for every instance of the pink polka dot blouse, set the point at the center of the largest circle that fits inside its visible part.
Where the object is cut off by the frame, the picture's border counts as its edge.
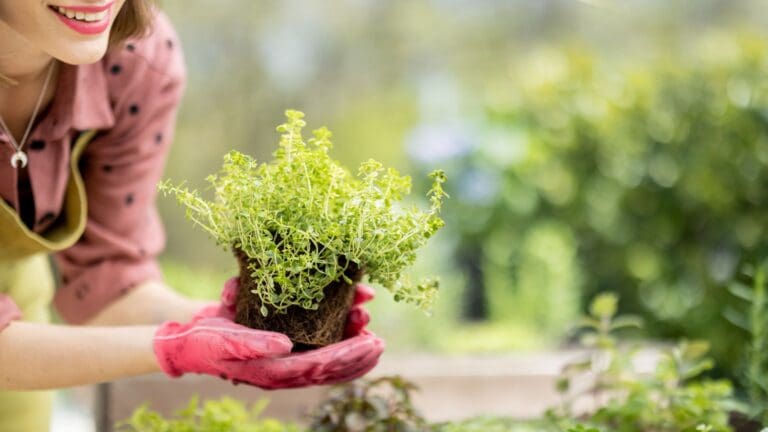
(131, 97)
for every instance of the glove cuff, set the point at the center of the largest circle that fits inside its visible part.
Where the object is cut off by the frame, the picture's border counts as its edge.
(163, 344)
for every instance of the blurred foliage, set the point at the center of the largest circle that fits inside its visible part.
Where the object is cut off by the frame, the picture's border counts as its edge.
(646, 177)
(385, 405)
(225, 415)
(676, 398)
(660, 173)
(750, 288)
(378, 405)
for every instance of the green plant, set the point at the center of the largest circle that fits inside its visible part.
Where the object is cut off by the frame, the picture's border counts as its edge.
(379, 405)
(674, 399)
(671, 400)
(499, 424)
(653, 168)
(582, 428)
(755, 378)
(225, 415)
(609, 361)
(661, 207)
(303, 220)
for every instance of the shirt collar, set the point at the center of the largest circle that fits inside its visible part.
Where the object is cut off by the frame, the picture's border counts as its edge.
(82, 101)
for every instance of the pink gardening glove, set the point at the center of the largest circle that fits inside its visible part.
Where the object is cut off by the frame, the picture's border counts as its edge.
(215, 346)
(351, 358)
(332, 364)
(344, 361)
(358, 316)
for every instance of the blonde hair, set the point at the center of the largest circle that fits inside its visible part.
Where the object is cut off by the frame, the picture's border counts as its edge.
(133, 20)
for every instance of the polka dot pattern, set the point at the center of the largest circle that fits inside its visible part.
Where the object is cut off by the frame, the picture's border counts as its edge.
(121, 168)
(82, 291)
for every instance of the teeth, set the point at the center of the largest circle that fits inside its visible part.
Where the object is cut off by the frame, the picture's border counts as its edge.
(81, 16)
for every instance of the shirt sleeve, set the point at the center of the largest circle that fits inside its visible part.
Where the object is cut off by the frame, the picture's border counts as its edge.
(8, 311)
(121, 168)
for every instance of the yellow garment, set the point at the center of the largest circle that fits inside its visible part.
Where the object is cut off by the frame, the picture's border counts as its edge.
(29, 283)
(26, 276)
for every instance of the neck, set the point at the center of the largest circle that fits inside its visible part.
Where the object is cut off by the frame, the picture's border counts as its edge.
(20, 61)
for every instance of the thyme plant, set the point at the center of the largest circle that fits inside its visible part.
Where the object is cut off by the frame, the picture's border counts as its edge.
(303, 219)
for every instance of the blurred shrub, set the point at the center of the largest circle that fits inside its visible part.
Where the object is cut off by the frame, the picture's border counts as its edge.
(644, 177)
(225, 415)
(379, 405)
(518, 277)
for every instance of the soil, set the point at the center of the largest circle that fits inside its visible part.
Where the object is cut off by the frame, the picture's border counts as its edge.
(308, 329)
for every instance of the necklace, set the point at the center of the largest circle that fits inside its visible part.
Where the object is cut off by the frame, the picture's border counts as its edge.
(19, 157)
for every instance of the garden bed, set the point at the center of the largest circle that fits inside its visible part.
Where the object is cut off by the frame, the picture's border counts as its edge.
(451, 388)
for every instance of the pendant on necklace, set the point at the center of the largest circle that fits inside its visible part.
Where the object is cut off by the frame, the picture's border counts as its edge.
(19, 158)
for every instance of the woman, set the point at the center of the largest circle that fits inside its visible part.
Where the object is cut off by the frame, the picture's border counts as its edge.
(88, 96)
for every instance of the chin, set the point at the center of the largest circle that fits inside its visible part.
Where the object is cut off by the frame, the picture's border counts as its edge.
(82, 52)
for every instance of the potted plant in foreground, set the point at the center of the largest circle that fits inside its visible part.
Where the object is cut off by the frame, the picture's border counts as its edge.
(304, 230)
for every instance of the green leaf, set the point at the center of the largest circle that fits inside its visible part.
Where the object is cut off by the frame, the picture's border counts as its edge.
(604, 305)
(693, 350)
(626, 321)
(697, 369)
(741, 291)
(736, 318)
(588, 322)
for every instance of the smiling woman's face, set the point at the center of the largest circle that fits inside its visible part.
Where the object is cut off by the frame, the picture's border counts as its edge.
(73, 31)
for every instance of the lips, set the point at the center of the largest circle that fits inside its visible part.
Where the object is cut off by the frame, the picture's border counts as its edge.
(86, 20)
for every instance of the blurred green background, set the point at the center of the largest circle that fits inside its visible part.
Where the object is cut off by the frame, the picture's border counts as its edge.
(590, 145)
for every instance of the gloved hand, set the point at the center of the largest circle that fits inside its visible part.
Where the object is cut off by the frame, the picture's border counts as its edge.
(358, 316)
(349, 359)
(332, 364)
(215, 346)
